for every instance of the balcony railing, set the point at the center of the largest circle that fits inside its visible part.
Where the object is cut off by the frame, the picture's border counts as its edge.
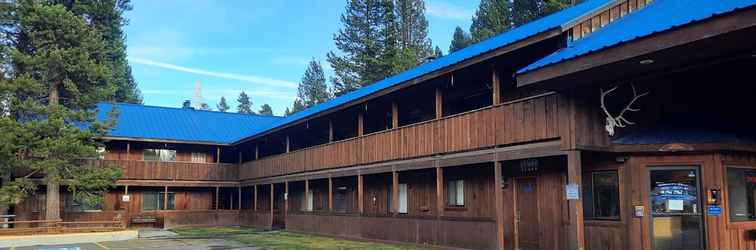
(156, 170)
(524, 120)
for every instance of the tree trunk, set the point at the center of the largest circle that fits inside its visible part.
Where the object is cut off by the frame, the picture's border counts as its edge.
(52, 177)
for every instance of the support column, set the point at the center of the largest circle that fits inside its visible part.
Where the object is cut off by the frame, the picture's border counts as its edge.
(272, 201)
(360, 194)
(257, 151)
(288, 144)
(286, 197)
(128, 151)
(254, 206)
(496, 85)
(330, 194)
(360, 123)
(575, 230)
(439, 103)
(217, 155)
(439, 191)
(499, 199)
(394, 114)
(240, 157)
(395, 192)
(217, 194)
(165, 198)
(240, 198)
(307, 196)
(330, 130)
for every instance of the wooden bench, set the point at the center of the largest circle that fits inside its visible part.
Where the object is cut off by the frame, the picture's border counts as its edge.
(147, 220)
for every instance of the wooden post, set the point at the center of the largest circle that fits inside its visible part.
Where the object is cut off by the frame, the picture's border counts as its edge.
(286, 197)
(126, 190)
(257, 151)
(254, 206)
(330, 130)
(395, 192)
(128, 150)
(217, 155)
(360, 194)
(575, 230)
(394, 114)
(217, 194)
(439, 191)
(360, 123)
(165, 198)
(330, 194)
(240, 157)
(272, 200)
(307, 195)
(499, 200)
(288, 145)
(439, 103)
(496, 82)
(240, 199)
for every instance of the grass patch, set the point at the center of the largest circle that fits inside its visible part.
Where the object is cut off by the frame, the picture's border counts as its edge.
(274, 240)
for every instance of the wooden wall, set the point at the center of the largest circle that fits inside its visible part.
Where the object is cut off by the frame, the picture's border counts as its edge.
(117, 150)
(609, 234)
(601, 19)
(155, 170)
(529, 119)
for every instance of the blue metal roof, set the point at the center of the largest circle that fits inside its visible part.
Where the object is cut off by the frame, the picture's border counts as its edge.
(658, 16)
(179, 124)
(525, 31)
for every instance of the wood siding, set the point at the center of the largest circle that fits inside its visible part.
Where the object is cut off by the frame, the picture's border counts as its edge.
(529, 119)
(155, 170)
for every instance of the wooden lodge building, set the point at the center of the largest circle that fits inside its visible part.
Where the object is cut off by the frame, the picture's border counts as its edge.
(612, 124)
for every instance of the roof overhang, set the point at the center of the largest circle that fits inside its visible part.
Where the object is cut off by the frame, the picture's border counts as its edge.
(116, 138)
(698, 42)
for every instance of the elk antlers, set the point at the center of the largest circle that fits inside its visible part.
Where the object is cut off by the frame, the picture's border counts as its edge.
(619, 121)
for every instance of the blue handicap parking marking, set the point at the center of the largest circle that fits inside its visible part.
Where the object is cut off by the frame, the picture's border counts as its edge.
(61, 248)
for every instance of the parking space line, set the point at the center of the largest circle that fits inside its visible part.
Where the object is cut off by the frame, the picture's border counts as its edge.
(101, 245)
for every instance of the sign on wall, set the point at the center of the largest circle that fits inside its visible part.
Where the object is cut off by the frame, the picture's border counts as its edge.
(572, 191)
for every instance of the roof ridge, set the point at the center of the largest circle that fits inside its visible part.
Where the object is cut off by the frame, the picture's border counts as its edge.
(188, 110)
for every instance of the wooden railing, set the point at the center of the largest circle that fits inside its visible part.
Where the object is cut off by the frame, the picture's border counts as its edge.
(529, 119)
(155, 170)
(58, 226)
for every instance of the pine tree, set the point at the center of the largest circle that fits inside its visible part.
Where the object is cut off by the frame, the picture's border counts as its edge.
(265, 109)
(287, 112)
(524, 11)
(312, 89)
(413, 38)
(491, 18)
(361, 44)
(204, 106)
(298, 106)
(222, 105)
(107, 16)
(60, 70)
(437, 52)
(245, 105)
(460, 40)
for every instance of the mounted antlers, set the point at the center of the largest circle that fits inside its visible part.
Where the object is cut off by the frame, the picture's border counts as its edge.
(619, 121)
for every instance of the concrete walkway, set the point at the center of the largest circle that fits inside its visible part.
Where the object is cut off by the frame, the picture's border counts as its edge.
(62, 239)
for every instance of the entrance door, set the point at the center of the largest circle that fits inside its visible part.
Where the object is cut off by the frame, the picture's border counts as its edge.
(676, 217)
(527, 213)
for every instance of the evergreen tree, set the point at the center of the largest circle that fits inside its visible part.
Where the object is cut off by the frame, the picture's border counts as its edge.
(437, 52)
(298, 106)
(204, 106)
(361, 44)
(60, 70)
(287, 112)
(312, 89)
(413, 38)
(460, 40)
(491, 18)
(245, 105)
(107, 17)
(222, 105)
(265, 109)
(524, 11)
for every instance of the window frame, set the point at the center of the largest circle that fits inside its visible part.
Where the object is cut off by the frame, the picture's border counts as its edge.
(197, 156)
(159, 201)
(69, 205)
(727, 195)
(158, 154)
(593, 203)
(457, 184)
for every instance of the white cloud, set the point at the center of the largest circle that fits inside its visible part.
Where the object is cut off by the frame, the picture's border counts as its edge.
(448, 11)
(216, 94)
(225, 75)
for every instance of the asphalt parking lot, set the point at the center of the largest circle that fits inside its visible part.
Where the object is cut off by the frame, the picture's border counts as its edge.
(163, 243)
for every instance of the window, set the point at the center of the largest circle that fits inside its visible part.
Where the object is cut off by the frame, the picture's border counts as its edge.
(159, 155)
(402, 198)
(601, 195)
(154, 201)
(455, 193)
(199, 157)
(71, 205)
(741, 185)
(308, 202)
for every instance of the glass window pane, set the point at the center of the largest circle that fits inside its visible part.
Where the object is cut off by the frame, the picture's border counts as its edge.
(740, 193)
(460, 193)
(149, 201)
(150, 155)
(601, 195)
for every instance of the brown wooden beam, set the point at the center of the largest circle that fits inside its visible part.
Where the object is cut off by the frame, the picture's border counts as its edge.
(286, 197)
(217, 155)
(330, 194)
(395, 192)
(240, 157)
(439, 191)
(394, 114)
(217, 194)
(496, 85)
(288, 144)
(240, 198)
(257, 151)
(272, 201)
(254, 206)
(330, 130)
(439, 103)
(360, 123)
(128, 151)
(499, 200)
(360, 194)
(575, 229)
(165, 198)
(307, 195)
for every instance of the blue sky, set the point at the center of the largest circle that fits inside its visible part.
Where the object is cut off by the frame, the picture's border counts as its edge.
(260, 47)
